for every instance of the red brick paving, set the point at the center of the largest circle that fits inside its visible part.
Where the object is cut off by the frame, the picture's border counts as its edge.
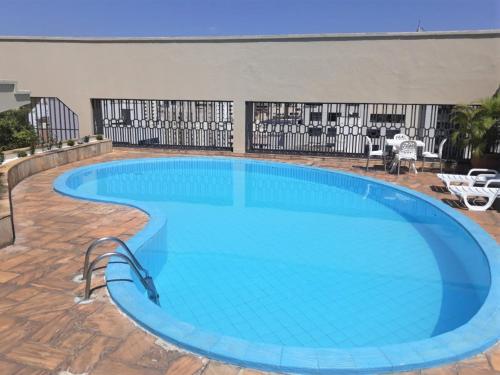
(44, 331)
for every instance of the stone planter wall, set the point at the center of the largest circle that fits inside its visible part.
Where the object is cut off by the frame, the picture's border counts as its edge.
(16, 171)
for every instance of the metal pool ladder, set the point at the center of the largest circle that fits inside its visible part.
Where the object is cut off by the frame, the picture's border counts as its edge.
(143, 276)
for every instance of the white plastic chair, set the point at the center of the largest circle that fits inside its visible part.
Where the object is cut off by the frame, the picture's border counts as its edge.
(374, 153)
(401, 137)
(476, 176)
(467, 192)
(432, 155)
(408, 152)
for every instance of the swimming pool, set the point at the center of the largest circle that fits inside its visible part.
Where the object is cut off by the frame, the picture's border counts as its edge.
(299, 269)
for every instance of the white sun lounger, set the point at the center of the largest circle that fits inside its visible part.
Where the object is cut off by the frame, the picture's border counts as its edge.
(474, 177)
(467, 192)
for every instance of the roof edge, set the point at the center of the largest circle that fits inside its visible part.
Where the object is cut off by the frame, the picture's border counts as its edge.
(494, 33)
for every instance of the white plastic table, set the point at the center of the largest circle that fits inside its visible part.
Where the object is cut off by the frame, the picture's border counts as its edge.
(395, 146)
(397, 143)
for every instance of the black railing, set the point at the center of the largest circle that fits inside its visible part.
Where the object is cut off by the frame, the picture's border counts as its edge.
(179, 124)
(52, 120)
(342, 128)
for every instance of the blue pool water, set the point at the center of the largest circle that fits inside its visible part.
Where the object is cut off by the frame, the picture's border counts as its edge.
(293, 257)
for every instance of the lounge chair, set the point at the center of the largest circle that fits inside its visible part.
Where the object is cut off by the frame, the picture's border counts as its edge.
(470, 179)
(466, 192)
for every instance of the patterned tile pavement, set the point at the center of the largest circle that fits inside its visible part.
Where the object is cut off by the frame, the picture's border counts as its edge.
(44, 331)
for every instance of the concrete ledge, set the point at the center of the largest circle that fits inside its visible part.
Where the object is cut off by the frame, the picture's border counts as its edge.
(14, 172)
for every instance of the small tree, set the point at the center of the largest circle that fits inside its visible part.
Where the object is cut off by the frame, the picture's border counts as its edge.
(491, 107)
(477, 126)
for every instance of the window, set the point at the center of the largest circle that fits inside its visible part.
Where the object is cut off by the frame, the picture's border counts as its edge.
(316, 116)
(331, 132)
(354, 114)
(261, 107)
(333, 116)
(315, 132)
(383, 117)
(444, 110)
(390, 133)
(43, 119)
(126, 115)
(373, 133)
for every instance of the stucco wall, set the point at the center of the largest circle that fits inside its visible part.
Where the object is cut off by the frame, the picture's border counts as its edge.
(11, 97)
(402, 68)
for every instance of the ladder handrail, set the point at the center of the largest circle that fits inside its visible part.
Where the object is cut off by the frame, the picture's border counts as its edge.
(152, 293)
(99, 241)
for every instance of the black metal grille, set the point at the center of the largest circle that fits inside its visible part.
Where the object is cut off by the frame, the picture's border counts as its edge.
(341, 128)
(53, 120)
(180, 124)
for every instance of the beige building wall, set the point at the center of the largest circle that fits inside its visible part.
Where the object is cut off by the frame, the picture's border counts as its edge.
(450, 67)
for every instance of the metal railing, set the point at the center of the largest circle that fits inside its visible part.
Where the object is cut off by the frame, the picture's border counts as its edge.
(102, 240)
(142, 274)
(146, 281)
(178, 124)
(53, 120)
(341, 128)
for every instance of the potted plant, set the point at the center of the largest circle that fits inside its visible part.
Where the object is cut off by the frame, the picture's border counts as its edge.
(59, 144)
(22, 154)
(70, 142)
(477, 131)
(99, 137)
(32, 148)
(50, 143)
(86, 139)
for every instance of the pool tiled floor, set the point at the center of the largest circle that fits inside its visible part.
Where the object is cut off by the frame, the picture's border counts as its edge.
(44, 331)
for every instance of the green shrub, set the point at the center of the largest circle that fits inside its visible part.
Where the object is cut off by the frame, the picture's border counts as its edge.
(15, 130)
(2, 158)
(6, 134)
(70, 142)
(32, 149)
(24, 138)
(86, 139)
(99, 137)
(22, 154)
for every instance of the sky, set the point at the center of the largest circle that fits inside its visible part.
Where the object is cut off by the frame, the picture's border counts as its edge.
(241, 17)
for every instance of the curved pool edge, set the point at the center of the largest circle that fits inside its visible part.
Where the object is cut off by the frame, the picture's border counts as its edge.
(481, 332)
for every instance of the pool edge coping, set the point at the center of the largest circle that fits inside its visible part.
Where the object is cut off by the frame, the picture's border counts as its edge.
(454, 345)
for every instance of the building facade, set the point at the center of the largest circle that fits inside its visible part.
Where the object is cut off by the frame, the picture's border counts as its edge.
(344, 86)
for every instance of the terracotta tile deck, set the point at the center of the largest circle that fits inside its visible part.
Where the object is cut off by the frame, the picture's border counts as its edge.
(44, 331)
